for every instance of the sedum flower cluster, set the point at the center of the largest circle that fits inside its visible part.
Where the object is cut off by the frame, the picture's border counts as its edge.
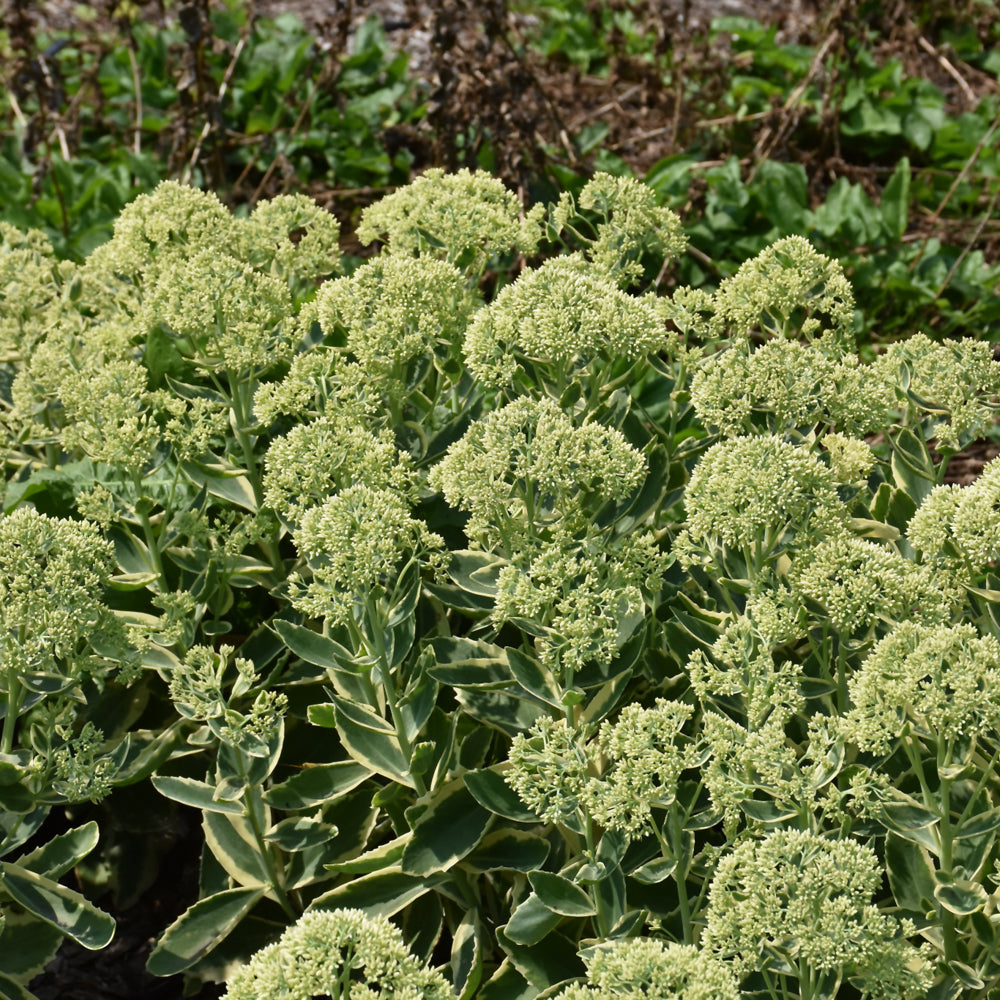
(465, 218)
(586, 599)
(755, 494)
(354, 544)
(810, 899)
(341, 955)
(632, 225)
(198, 689)
(615, 779)
(566, 315)
(314, 460)
(784, 386)
(789, 290)
(527, 466)
(940, 682)
(957, 380)
(637, 968)
(956, 528)
(397, 310)
(859, 582)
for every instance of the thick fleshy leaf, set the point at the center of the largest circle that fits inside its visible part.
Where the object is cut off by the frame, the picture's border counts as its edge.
(467, 956)
(490, 790)
(231, 840)
(317, 784)
(199, 929)
(508, 850)
(11, 990)
(531, 921)
(449, 828)
(62, 852)
(961, 897)
(197, 794)
(460, 662)
(380, 894)
(27, 945)
(59, 906)
(314, 648)
(547, 966)
(369, 739)
(561, 895)
(911, 874)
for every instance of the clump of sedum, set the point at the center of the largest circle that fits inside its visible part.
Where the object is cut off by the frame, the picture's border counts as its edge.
(643, 967)
(339, 955)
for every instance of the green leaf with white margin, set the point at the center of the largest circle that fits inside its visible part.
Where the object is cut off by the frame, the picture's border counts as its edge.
(197, 794)
(490, 790)
(544, 967)
(27, 945)
(231, 840)
(369, 739)
(57, 905)
(959, 896)
(531, 921)
(508, 850)
(561, 895)
(317, 784)
(381, 894)
(11, 990)
(451, 826)
(467, 955)
(62, 852)
(314, 648)
(199, 929)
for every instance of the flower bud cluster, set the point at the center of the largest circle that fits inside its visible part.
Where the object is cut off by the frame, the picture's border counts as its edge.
(567, 315)
(338, 954)
(638, 968)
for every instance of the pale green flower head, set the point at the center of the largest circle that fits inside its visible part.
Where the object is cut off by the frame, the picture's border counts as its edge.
(549, 770)
(957, 528)
(642, 754)
(790, 290)
(811, 899)
(108, 414)
(397, 311)
(784, 386)
(354, 544)
(860, 583)
(465, 218)
(637, 968)
(315, 460)
(226, 314)
(201, 690)
(340, 955)
(941, 683)
(692, 311)
(955, 379)
(567, 315)
(631, 225)
(161, 229)
(81, 771)
(33, 287)
(851, 459)
(293, 236)
(53, 573)
(752, 493)
(527, 464)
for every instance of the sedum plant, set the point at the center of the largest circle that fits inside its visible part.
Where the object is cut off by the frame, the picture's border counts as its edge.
(518, 624)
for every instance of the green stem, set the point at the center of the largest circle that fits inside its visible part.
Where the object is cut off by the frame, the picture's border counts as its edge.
(15, 698)
(263, 848)
(603, 923)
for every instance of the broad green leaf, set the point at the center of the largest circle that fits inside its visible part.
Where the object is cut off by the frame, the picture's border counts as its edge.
(231, 840)
(966, 975)
(556, 962)
(380, 894)
(27, 945)
(63, 908)
(461, 662)
(561, 895)
(234, 487)
(11, 990)
(530, 674)
(313, 647)
(297, 833)
(655, 871)
(199, 929)
(475, 572)
(387, 855)
(62, 852)
(317, 784)
(531, 921)
(507, 849)
(961, 896)
(911, 874)
(507, 984)
(895, 202)
(912, 466)
(911, 821)
(370, 740)
(466, 956)
(450, 827)
(198, 794)
(490, 790)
